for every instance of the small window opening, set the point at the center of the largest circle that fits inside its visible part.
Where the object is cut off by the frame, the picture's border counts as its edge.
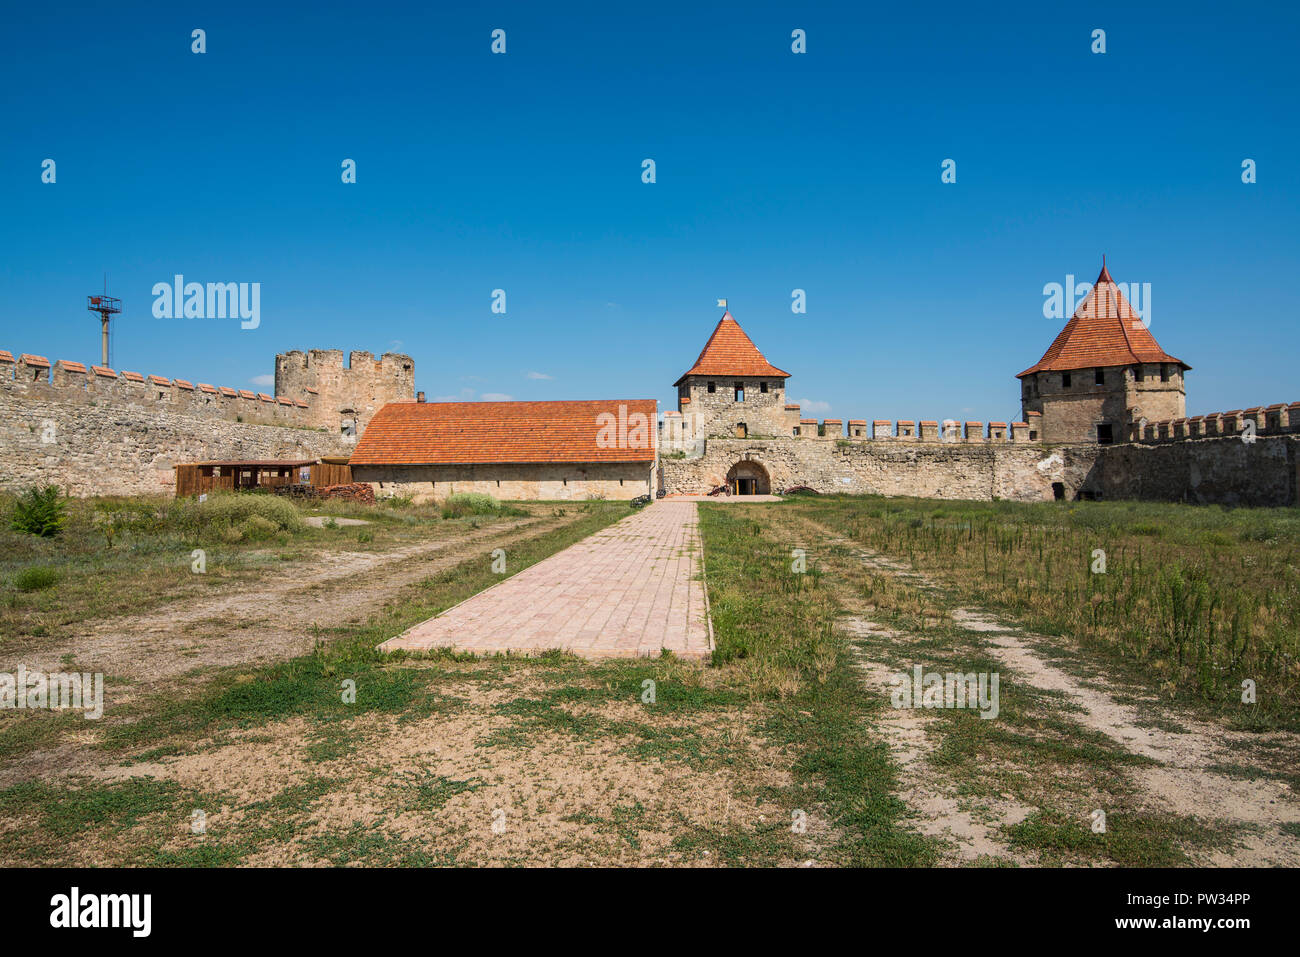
(1065, 380)
(1099, 377)
(740, 392)
(1058, 491)
(762, 387)
(1104, 434)
(713, 387)
(1164, 373)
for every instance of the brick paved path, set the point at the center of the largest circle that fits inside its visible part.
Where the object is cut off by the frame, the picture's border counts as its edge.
(631, 589)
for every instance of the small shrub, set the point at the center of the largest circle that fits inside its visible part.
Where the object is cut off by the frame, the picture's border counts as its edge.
(398, 501)
(35, 578)
(258, 529)
(475, 503)
(236, 508)
(40, 511)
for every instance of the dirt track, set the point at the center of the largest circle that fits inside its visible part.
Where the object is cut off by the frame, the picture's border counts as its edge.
(270, 622)
(1184, 781)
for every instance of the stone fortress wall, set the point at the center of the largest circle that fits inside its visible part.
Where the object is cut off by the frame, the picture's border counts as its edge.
(96, 431)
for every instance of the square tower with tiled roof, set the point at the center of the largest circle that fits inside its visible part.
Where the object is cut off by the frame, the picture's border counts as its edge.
(732, 391)
(1103, 372)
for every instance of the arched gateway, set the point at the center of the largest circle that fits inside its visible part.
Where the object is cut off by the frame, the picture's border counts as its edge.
(748, 478)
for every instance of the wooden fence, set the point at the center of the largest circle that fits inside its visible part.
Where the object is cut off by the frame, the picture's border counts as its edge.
(201, 477)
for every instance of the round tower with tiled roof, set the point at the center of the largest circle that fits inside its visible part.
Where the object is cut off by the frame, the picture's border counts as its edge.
(732, 391)
(1103, 372)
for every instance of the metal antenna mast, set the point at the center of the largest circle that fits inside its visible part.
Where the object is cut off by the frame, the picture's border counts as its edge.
(106, 306)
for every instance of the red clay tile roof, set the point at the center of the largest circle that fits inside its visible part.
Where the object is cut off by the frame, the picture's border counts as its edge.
(264, 397)
(206, 387)
(1104, 331)
(159, 380)
(133, 376)
(6, 355)
(245, 394)
(457, 433)
(227, 391)
(729, 352)
(68, 366)
(184, 384)
(104, 371)
(32, 360)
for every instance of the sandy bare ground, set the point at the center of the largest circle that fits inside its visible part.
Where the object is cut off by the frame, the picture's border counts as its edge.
(270, 621)
(1183, 782)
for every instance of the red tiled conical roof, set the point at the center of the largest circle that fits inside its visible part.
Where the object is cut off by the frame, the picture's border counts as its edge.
(1104, 331)
(729, 352)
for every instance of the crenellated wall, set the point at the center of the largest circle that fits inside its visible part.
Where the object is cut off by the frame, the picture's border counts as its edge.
(37, 376)
(97, 431)
(677, 432)
(1277, 419)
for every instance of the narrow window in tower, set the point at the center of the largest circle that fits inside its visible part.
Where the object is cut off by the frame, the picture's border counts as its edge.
(1164, 373)
(1137, 374)
(712, 387)
(762, 387)
(1099, 377)
(1065, 380)
(740, 392)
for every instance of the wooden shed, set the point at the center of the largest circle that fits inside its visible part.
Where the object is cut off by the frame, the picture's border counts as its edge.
(196, 478)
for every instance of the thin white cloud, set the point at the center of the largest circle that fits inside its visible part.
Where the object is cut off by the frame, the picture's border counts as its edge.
(268, 379)
(496, 397)
(540, 375)
(812, 405)
(463, 396)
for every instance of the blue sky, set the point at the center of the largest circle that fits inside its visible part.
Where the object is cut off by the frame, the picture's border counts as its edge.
(775, 171)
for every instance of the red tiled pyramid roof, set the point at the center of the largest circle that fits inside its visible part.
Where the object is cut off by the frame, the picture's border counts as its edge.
(729, 352)
(462, 433)
(1104, 331)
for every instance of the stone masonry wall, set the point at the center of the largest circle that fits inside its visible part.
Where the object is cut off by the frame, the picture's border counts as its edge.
(1013, 472)
(342, 398)
(545, 481)
(1224, 471)
(717, 413)
(99, 435)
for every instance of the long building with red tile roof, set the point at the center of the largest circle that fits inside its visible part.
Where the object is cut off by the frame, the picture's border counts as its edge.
(511, 450)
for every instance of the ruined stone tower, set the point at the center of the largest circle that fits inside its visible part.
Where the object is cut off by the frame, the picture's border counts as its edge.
(344, 398)
(1103, 373)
